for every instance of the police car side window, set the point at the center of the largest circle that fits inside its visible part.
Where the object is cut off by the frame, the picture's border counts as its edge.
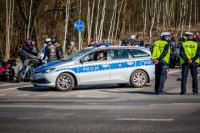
(119, 54)
(94, 56)
(88, 58)
(138, 53)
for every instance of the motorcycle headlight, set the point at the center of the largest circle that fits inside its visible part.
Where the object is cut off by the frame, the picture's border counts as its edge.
(47, 70)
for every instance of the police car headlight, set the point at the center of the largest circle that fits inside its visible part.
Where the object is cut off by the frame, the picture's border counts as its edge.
(47, 70)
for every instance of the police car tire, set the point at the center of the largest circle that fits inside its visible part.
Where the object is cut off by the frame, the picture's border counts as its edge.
(134, 74)
(70, 79)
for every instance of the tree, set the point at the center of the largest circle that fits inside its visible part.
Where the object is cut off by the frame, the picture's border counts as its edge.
(152, 20)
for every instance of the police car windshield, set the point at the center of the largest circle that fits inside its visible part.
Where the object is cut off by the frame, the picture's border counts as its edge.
(76, 55)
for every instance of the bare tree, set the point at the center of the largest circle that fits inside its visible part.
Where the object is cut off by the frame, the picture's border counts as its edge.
(67, 8)
(119, 14)
(112, 21)
(152, 20)
(9, 26)
(97, 21)
(102, 22)
(181, 16)
(184, 4)
(90, 20)
(145, 19)
(190, 18)
(29, 20)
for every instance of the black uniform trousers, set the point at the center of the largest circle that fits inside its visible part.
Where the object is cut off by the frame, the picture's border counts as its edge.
(160, 76)
(193, 70)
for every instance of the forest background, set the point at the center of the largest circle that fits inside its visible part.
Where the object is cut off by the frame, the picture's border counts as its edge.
(112, 20)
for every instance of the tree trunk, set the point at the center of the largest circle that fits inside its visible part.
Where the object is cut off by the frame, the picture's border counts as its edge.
(181, 15)
(97, 21)
(88, 22)
(112, 21)
(152, 20)
(102, 22)
(66, 23)
(119, 14)
(29, 20)
(190, 18)
(145, 19)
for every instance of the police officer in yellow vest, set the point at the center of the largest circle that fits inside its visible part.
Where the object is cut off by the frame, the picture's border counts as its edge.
(161, 58)
(189, 58)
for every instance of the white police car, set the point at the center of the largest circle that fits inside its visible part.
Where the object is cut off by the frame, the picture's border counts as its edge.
(121, 65)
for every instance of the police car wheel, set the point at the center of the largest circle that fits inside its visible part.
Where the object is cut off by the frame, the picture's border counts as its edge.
(64, 82)
(139, 78)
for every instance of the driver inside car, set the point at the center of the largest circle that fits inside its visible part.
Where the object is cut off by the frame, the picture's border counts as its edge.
(101, 56)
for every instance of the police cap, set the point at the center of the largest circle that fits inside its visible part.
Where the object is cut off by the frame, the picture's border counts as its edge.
(165, 34)
(189, 33)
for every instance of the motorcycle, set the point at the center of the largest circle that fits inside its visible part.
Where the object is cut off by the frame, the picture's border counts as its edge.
(27, 66)
(175, 58)
(6, 69)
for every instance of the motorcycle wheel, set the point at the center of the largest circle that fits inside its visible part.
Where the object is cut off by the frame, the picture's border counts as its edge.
(19, 77)
(12, 74)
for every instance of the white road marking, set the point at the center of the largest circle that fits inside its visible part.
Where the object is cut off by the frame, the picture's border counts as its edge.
(173, 71)
(24, 118)
(14, 88)
(11, 84)
(23, 95)
(141, 119)
(48, 94)
(2, 94)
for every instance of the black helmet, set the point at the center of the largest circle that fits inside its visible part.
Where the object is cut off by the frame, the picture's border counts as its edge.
(27, 43)
(54, 40)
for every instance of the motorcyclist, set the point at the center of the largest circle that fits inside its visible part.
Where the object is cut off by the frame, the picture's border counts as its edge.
(134, 40)
(72, 49)
(51, 51)
(29, 47)
(42, 51)
(59, 50)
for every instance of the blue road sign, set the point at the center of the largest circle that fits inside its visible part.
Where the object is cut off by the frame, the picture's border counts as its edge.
(79, 25)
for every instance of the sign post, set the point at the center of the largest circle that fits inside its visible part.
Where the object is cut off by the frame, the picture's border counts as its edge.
(79, 26)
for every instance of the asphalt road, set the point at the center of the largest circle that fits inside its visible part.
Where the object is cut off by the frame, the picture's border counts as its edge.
(102, 109)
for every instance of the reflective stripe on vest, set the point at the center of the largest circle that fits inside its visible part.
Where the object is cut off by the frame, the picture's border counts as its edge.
(158, 49)
(190, 50)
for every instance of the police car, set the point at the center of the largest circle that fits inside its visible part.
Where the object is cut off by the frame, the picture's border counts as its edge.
(121, 65)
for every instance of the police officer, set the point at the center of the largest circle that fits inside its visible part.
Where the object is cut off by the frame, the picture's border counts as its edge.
(161, 58)
(189, 60)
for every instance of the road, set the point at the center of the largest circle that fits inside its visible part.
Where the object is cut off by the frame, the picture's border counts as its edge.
(106, 109)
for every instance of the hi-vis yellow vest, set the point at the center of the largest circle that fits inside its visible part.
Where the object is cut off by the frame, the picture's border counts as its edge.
(190, 48)
(158, 49)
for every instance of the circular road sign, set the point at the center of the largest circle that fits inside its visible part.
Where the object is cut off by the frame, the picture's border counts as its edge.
(79, 25)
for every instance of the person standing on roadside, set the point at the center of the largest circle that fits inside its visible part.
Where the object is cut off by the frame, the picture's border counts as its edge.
(189, 58)
(72, 49)
(161, 58)
(59, 50)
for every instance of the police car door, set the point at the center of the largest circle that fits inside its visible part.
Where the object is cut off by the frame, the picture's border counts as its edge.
(93, 71)
(120, 59)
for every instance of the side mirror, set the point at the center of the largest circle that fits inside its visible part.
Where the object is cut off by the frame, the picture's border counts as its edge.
(82, 60)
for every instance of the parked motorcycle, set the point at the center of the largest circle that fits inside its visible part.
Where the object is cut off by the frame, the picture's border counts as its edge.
(27, 66)
(6, 69)
(175, 58)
